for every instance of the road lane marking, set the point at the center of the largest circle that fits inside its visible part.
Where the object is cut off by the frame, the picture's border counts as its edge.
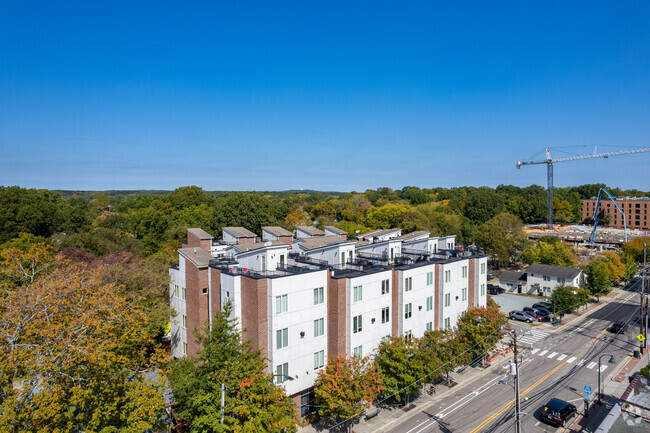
(534, 351)
(506, 406)
(561, 357)
(571, 360)
(418, 426)
(543, 352)
(602, 368)
(591, 365)
(598, 336)
(552, 355)
(466, 399)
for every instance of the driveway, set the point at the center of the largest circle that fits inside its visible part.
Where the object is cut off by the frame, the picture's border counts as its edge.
(508, 301)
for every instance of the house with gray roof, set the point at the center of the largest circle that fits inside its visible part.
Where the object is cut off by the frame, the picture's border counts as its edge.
(238, 235)
(308, 232)
(274, 233)
(541, 279)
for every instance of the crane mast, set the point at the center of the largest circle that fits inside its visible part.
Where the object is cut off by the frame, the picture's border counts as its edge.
(549, 161)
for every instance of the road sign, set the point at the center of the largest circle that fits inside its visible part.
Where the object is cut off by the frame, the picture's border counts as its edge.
(640, 337)
(586, 399)
(587, 390)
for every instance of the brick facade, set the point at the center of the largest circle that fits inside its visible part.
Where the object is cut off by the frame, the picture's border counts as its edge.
(255, 320)
(336, 316)
(196, 279)
(472, 290)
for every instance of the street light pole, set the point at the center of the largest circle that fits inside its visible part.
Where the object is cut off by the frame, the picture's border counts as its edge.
(516, 373)
(611, 361)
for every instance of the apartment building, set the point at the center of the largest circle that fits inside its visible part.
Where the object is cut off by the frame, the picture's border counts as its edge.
(323, 295)
(635, 210)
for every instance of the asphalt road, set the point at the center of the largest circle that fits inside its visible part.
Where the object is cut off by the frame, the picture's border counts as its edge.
(555, 365)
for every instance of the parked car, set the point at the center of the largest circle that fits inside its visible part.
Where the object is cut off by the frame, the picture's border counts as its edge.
(490, 277)
(618, 327)
(541, 307)
(494, 289)
(548, 304)
(533, 312)
(520, 315)
(556, 412)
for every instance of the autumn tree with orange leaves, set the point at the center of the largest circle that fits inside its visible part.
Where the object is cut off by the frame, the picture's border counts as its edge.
(72, 351)
(346, 387)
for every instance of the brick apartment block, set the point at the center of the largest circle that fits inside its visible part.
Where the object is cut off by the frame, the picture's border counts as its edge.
(300, 300)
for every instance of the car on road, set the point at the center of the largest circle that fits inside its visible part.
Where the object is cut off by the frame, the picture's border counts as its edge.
(556, 412)
(520, 315)
(494, 289)
(618, 327)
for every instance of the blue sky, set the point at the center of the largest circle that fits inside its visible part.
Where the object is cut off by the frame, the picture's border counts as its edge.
(321, 95)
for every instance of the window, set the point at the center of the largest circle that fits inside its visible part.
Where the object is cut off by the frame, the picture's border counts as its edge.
(447, 323)
(561, 280)
(319, 359)
(282, 372)
(482, 268)
(464, 292)
(358, 293)
(385, 339)
(464, 271)
(385, 287)
(177, 291)
(318, 296)
(263, 263)
(281, 304)
(482, 289)
(429, 278)
(357, 324)
(447, 299)
(408, 310)
(281, 338)
(185, 349)
(358, 351)
(205, 290)
(447, 276)
(183, 293)
(546, 278)
(385, 315)
(319, 327)
(408, 335)
(430, 303)
(429, 326)
(184, 321)
(343, 257)
(408, 284)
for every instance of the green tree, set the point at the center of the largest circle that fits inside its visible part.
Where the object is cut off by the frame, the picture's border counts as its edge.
(599, 279)
(481, 329)
(346, 386)
(564, 300)
(549, 250)
(252, 402)
(443, 348)
(400, 362)
(482, 204)
(503, 238)
(386, 216)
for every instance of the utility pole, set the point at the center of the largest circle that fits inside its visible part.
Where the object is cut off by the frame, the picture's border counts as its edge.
(645, 296)
(516, 373)
(223, 399)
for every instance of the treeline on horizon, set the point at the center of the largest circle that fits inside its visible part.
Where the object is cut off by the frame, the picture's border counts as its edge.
(148, 223)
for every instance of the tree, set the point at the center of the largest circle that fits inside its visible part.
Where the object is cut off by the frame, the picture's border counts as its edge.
(346, 386)
(24, 259)
(564, 300)
(503, 238)
(482, 204)
(599, 280)
(72, 358)
(386, 216)
(445, 348)
(615, 267)
(400, 362)
(481, 329)
(549, 250)
(252, 402)
(634, 249)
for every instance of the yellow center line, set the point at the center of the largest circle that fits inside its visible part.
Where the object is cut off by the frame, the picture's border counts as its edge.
(598, 336)
(510, 403)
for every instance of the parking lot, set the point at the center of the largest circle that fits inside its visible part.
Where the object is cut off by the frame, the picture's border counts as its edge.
(508, 301)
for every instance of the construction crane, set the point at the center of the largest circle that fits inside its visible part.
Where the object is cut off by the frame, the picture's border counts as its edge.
(549, 161)
(597, 217)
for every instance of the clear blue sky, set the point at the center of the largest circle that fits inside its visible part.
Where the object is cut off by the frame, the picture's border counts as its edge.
(320, 94)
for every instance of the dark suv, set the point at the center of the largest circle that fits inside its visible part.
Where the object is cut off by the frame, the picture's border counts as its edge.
(556, 412)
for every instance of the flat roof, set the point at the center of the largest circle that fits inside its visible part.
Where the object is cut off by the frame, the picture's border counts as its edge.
(200, 233)
(199, 257)
(413, 235)
(321, 242)
(239, 232)
(277, 231)
(310, 230)
(555, 271)
(245, 248)
(336, 230)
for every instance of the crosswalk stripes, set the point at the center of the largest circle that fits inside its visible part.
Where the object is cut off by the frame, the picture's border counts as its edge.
(543, 352)
(591, 365)
(571, 360)
(552, 355)
(602, 368)
(561, 357)
(581, 362)
(534, 351)
(532, 336)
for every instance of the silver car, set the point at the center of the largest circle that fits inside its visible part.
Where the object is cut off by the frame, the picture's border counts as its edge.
(520, 315)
